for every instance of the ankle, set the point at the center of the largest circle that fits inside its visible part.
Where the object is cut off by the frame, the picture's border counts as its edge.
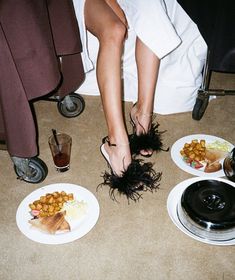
(119, 155)
(141, 112)
(112, 141)
(142, 119)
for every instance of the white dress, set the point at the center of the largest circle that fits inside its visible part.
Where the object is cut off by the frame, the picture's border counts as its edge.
(168, 31)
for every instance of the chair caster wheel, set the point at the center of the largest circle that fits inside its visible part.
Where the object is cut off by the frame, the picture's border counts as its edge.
(31, 170)
(71, 106)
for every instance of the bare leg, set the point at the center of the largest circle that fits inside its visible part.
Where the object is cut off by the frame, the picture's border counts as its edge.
(103, 22)
(147, 67)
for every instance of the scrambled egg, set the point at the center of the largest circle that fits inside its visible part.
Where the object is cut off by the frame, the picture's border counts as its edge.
(75, 209)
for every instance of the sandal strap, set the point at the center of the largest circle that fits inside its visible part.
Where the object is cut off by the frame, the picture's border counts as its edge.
(146, 115)
(139, 123)
(142, 114)
(106, 140)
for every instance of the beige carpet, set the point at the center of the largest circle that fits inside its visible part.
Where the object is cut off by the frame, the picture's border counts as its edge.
(129, 242)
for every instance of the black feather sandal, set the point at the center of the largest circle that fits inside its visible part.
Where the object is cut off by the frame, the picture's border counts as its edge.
(146, 143)
(135, 179)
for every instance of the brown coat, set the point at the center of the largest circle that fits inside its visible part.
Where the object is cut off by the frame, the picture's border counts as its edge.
(32, 35)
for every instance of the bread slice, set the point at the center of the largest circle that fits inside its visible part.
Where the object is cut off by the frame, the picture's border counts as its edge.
(51, 224)
(213, 167)
(213, 155)
(64, 226)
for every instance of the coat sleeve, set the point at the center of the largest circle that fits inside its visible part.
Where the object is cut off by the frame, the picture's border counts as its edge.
(32, 36)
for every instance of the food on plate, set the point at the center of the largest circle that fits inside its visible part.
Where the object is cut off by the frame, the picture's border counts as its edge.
(56, 212)
(51, 224)
(213, 167)
(219, 146)
(213, 158)
(205, 156)
(194, 153)
(75, 209)
(214, 155)
(50, 204)
(196, 150)
(193, 163)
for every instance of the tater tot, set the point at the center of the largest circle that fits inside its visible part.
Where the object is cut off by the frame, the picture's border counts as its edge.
(32, 206)
(70, 196)
(66, 198)
(51, 200)
(38, 206)
(45, 207)
(51, 203)
(194, 150)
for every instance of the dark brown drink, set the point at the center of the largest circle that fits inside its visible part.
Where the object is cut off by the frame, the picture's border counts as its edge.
(61, 150)
(61, 160)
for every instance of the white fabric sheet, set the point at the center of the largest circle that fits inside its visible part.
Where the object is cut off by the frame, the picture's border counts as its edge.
(166, 29)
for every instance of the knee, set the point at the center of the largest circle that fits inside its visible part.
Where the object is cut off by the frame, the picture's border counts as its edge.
(114, 33)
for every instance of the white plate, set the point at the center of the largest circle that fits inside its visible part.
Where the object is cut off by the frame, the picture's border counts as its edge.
(177, 158)
(175, 197)
(82, 227)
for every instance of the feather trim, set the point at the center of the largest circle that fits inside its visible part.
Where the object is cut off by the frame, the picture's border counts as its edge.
(137, 178)
(147, 141)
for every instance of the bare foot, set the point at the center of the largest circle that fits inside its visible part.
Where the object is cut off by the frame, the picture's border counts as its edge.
(119, 156)
(142, 123)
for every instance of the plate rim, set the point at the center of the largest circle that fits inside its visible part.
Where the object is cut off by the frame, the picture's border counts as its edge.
(183, 166)
(63, 238)
(173, 200)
